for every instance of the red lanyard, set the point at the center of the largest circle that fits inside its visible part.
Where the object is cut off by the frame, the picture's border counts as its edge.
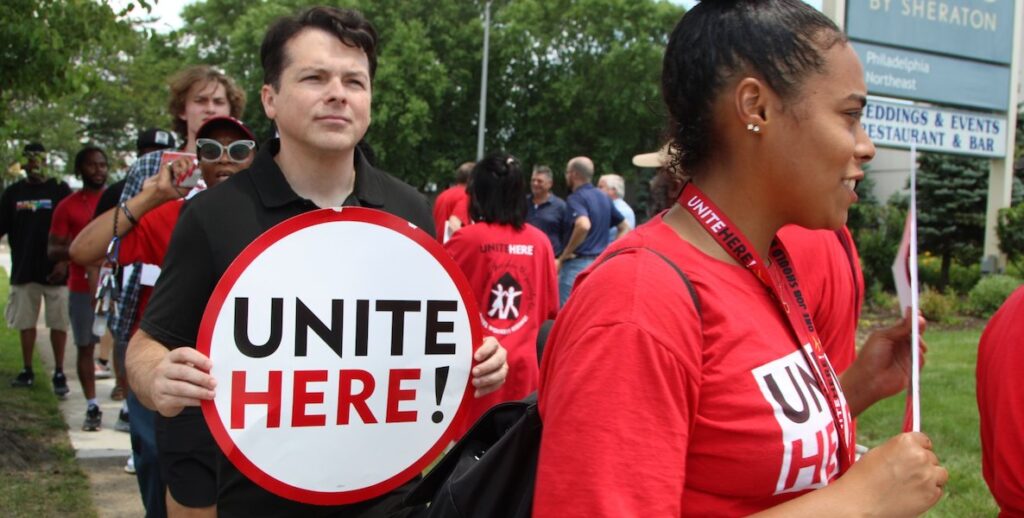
(782, 282)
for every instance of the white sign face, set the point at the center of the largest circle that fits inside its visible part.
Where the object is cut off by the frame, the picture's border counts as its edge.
(341, 342)
(934, 129)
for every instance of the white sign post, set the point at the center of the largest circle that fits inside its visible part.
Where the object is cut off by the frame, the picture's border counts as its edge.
(904, 272)
(342, 342)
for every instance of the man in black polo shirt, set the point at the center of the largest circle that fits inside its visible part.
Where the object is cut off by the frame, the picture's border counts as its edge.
(318, 71)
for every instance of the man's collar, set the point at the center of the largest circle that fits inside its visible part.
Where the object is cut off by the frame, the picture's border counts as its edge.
(271, 185)
(369, 186)
(274, 190)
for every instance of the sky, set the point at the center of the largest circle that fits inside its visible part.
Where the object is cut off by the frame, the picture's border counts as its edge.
(166, 12)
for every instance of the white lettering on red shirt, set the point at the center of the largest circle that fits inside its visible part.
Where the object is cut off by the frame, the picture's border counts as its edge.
(809, 437)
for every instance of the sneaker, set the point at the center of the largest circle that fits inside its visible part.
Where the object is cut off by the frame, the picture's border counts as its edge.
(102, 371)
(93, 419)
(117, 393)
(60, 385)
(129, 467)
(24, 379)
(122, 424)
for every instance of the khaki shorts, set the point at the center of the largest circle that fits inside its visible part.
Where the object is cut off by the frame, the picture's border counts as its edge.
(23, 306)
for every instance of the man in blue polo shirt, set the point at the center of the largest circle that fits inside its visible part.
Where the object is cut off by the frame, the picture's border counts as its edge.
(591, 214)
(544, 210)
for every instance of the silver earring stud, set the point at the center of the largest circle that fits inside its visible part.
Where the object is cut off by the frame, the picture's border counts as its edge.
(753, 127)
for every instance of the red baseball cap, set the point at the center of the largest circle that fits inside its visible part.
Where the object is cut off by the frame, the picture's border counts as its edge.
(224, 121)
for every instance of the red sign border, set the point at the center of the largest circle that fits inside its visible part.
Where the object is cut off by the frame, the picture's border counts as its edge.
(228, 280)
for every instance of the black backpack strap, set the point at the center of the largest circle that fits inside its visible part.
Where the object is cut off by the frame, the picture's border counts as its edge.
(678, 270)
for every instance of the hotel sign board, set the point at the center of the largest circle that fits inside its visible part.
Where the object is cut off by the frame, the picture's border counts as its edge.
(973, 29)
(902, 125)
(921, 76)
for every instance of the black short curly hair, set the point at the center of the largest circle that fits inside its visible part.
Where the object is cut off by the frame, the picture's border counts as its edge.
(781, 40)
(83, 154)
(497, 191)
(347, 25)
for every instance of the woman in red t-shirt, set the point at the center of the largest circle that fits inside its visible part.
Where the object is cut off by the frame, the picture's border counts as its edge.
(511, 267)
(656, 402)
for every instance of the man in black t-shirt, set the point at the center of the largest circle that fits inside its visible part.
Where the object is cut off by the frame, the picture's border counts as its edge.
(25, 211)
(318, 72)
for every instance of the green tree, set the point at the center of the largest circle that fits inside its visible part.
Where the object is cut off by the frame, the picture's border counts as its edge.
(862, 214)
(423, 84)
(44, 45)
(579, 77)
(1010, 230)
(877, 230)
(567, 77)
(82, 74)
(951, 202)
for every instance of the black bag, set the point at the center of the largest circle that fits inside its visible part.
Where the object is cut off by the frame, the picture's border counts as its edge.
(491, 471)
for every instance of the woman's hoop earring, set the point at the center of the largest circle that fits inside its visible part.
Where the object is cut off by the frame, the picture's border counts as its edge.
(753, 127)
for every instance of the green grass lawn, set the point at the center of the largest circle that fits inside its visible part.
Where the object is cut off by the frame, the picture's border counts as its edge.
(949, 415)
(38, 473)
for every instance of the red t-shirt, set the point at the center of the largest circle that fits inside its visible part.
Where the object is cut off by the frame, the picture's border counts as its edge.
(1001, 405)
(651, 409)
(147, 243)
(69, 218)
(513, 276)
(452, 201)
(834, 285)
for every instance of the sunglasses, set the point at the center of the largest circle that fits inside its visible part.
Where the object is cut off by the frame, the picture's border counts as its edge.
(238, 151)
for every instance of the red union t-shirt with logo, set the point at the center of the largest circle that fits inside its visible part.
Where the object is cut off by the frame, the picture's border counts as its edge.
(513, 277)
(664, 412)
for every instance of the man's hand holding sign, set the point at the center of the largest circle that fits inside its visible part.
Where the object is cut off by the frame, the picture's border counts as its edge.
(181, 377)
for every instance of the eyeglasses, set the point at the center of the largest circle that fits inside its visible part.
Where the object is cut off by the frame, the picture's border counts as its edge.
(211, 151)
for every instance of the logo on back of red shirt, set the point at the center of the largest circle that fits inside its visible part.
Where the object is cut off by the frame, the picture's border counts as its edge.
(505, 298)
(809, 438)
(509, 300)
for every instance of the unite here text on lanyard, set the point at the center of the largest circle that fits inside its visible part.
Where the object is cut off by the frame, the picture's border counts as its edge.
(782, 283)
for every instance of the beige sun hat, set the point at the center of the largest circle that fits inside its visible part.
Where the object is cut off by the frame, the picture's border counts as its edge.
(659, 158)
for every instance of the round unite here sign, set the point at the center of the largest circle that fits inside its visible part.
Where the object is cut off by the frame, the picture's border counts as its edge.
(341, 342)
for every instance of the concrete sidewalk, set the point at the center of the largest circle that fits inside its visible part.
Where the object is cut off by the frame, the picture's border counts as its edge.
(101, 454)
